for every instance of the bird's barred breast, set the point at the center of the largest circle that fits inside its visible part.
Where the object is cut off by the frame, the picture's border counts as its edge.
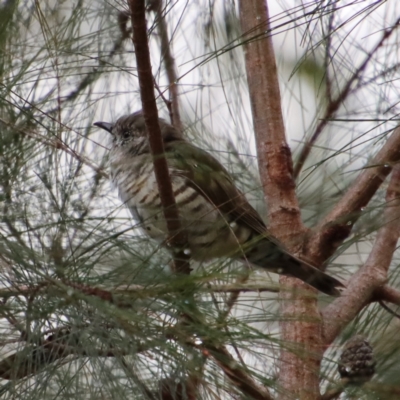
(210, 233)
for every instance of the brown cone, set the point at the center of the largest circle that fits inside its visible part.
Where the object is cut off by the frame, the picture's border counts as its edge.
(357, 362)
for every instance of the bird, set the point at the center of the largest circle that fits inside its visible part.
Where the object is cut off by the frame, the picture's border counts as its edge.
(218, 219)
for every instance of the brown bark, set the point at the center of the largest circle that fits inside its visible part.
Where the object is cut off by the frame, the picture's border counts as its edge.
(337, 225)
(300, 326)
(387, 293)
(169, 64)
(369, 280)
(177, 235)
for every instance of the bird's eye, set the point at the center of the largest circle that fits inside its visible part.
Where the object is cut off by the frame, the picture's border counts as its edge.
(125, 135)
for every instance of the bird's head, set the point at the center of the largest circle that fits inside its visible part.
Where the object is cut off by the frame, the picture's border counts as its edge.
(129, 133)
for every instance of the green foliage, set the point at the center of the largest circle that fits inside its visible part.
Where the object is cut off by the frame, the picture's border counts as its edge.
(89, 307)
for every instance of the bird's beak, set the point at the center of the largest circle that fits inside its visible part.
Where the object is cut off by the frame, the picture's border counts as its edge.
(105, 125)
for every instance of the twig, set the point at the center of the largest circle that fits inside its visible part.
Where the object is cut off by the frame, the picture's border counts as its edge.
(240, 378)
(139, 290)
(169, 64)
(388, 309)
(177, 236)
(172, 388)
(97, 72)
(372, 276)
(141, 385)
(334, 392)
(389, 294)
(58, 144)
(236, 374)
(337, 225)
(34, 359)
(327, 56)
(232, 299)
(334, 105)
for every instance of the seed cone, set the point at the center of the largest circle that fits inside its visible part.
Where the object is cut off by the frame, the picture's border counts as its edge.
(357, 361)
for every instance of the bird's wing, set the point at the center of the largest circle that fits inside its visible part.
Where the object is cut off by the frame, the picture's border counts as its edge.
(206, 175)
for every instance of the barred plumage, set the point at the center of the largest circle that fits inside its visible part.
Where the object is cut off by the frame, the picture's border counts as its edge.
(217, 217)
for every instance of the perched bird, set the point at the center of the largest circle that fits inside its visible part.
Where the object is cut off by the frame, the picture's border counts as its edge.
(217, 217)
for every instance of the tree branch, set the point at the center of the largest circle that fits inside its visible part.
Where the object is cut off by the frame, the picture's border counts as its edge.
(169, 64)
(298, 369)
(177, 236)
(57, 144)
(369, 279)
(32, 360)
(334, 105)
(389, 294)
(274, 157)
(239, 377)
(335, 392)
(337, 225)
(236, 374)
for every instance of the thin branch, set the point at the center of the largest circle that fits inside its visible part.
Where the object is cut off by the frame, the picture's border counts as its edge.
(236, 374)
(170, 389)
(327, 56)
(57, 144)
(337, 225)
(169, 64)
(34, 359)
(389, 294)
(334, 105)
(177, 236)
(231, 301)
(239, 377)
(129, 290)
(372, 276)
(335, 392)
(129, 372)
(96, 72)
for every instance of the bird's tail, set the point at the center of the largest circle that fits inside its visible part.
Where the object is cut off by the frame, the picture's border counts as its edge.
(312, 276)
(273, 257)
